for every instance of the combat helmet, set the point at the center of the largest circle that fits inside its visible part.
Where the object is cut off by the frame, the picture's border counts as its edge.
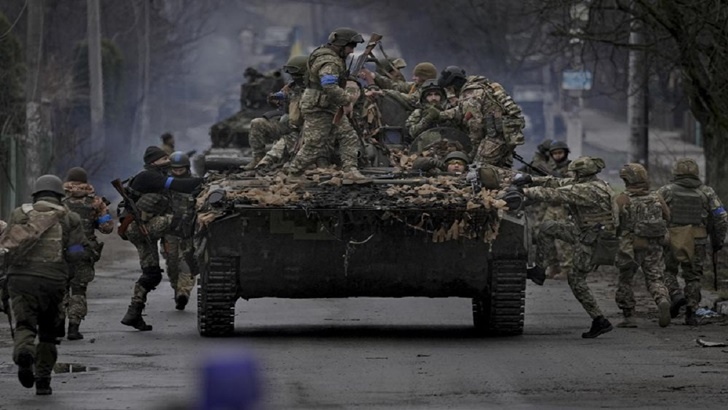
(557, 145)
(77, 174)
(50, 183)
(633, 174)
(545, 146)
(686, 167)
(296, 66)
(457, 155)
(452, 76)
(179, 159)
(343, 36)
(586, 166)
(431, 85)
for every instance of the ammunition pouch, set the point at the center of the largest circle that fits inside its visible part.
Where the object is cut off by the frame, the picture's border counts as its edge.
(650, 229)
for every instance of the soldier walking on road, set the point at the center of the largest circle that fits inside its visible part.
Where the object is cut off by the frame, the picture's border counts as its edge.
(37, 281)
(150, 190)
(695, 213)
(641, 228)
(590, 202)
(82, 199)
(323, 97)
(179, 247)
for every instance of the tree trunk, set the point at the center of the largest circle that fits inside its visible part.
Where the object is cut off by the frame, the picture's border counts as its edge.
(96, 81)
(716, 166)
(31, 146)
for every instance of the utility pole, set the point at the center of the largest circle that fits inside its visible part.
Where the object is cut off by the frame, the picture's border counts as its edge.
(637, 109)
(96, 79)
(31, 146)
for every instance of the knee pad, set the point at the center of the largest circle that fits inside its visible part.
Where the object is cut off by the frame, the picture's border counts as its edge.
(151, 277)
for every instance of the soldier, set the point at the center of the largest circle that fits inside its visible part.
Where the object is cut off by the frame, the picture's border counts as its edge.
(167, 143)
(558, 166)
(37, 282)
(641, 228)
(266, 130)
(432, 101)
(541, 158)
(559, 154)
(590, 201)
(82, 199)
(391, 68)
(320, 102)
(455, 162)
(408, 91)
(149, 189)
(695, 212)
(494, 121)
(179, 245)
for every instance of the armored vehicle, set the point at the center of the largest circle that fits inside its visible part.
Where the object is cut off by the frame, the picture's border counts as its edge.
(396, 234)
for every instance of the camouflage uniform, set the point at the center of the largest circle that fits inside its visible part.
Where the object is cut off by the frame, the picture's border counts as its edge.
(696, 211)
(564, 252)
(494, 121)
(590, 201)
(319, 103)
(36, 285)
(82, 199)
(641, 228)
(427, 115)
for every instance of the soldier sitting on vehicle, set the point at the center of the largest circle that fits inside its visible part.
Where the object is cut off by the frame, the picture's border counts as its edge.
(455, 162)
(432, 101)
(409, 92)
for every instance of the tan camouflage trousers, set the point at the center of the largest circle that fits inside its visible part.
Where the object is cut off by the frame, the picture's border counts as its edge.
(318, 135)
(692, 273)
(74, 301)
(148, 255)
(564, 252)
(282, 149)
(181, 276)
(629, 260)
(263, 131)
(495, 152)
(546, 255)
(35, 302)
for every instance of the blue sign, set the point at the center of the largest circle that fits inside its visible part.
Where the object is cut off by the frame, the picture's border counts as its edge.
(576, 80)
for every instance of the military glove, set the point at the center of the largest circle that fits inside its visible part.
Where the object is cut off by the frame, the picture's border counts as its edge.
(521, 180)
(432, 113)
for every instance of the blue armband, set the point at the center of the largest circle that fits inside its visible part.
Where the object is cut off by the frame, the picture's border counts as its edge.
(77, 248)
(103, 219)
(719, 211)
(279, 95)
(168, 182)
(329, 79)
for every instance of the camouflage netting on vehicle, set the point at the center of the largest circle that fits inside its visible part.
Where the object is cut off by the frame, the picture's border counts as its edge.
(445, 207)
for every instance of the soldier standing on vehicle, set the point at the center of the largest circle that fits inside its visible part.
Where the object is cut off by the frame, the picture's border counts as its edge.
(150, 190)
(179, 246)
(167, 143)
(494, 121)
(37, 279)
(265, 130)
(323, 97)
(82, 199)
(432, 101)
(696, 213)
(590, 202)
(641, 228)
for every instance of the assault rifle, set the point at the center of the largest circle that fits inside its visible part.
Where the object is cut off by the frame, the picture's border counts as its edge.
(356, 67)
(133, 214)
(535, 170)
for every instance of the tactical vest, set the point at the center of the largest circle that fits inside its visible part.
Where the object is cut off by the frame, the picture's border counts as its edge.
(153, 204)
(687, 206)
(320, 56)
(85, 209)
(49, 247)
(644, 216)
(589, 217)
(183, 208)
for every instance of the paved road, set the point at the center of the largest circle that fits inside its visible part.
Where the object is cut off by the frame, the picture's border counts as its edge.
(380, 353)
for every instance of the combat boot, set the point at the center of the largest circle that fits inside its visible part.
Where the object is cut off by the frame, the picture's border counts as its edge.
(536, 274)
(599, 326)
(665, 313)
(134, 318)
(43, 386)
(73, 333)
(690, 318)
(629, 321)
(678, 301)
(251, 165)
(181, 301)
(26, 374)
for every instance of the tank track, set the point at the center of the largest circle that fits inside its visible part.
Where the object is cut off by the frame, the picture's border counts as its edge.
(216, 297)
(500, 311)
